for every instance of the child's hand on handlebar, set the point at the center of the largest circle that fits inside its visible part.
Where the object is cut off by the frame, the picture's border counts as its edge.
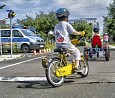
(83, 33)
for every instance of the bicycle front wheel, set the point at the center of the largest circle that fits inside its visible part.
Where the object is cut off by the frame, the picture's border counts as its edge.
(84, 67)
(53, 65)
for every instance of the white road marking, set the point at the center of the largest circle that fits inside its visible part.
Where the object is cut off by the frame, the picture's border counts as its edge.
(19, 63)
(21, 79)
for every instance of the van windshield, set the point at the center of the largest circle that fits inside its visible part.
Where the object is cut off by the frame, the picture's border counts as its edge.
(28, 33)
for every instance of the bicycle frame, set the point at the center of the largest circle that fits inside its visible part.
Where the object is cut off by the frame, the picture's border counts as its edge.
(63, 58)
(67, 69)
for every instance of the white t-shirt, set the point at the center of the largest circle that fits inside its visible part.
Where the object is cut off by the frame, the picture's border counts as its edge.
(62, 32)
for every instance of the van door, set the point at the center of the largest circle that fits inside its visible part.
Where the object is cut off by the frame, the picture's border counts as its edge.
(5, 39)
(17, 38)
(5, 36)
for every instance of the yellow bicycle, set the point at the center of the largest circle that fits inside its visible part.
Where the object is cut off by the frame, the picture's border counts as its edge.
(57, 68)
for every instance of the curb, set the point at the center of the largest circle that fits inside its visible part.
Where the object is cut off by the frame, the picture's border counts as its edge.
(112, 47)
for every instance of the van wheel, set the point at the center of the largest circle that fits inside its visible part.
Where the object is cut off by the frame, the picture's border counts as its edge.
(25, 48)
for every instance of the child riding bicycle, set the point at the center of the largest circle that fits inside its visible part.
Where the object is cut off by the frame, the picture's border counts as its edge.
(96, 40)
(105, 39)
(62, 32)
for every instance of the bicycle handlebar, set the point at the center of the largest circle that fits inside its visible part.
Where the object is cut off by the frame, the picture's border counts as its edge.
(79, 38)
(76, 41)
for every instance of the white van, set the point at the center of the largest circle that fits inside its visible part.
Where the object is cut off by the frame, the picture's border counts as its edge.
(25, 39)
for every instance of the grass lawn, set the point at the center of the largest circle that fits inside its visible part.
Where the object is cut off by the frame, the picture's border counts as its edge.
(113, 43)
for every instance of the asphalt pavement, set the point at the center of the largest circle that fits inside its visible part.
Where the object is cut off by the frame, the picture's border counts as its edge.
(26, 78)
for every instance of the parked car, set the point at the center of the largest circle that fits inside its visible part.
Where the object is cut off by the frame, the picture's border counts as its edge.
(25, 39)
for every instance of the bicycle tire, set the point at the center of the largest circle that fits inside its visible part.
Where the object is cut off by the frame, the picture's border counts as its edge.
(107, 54)
(86, 54)
(54, 80)
(84, 67)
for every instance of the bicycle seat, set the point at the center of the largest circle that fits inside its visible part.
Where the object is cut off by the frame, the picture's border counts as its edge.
(60, 50)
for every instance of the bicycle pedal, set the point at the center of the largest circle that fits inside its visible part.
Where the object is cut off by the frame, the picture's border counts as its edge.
(77, 70)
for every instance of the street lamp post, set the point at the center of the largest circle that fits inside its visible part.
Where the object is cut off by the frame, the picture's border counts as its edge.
(11, 15)
(11, 37)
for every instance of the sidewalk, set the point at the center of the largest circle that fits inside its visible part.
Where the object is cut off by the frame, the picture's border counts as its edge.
(112, 47)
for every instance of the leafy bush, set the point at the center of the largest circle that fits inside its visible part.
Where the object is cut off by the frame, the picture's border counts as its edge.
(82, 43)
(50, 45)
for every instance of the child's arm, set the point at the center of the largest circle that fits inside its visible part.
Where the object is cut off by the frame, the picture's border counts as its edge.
(76, 33)
(79, 33)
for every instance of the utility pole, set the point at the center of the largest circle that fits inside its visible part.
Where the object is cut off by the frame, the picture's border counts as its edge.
(11, 15)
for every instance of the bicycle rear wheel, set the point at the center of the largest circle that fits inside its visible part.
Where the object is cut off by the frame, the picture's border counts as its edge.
(84, 67)
(53, 65)
(107, 54)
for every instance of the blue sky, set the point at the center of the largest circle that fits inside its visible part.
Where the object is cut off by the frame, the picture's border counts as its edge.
(77, 8)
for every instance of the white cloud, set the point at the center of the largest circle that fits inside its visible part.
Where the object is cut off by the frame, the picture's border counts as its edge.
(16, 1)
(84, 7)
(77, 8)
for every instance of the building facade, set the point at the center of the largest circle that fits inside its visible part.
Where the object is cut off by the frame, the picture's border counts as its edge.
(88, 20)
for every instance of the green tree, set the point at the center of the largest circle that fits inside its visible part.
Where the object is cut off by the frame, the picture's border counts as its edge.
(109, 20)
(26, 22)
(4, 27)
(84, 26)
(43, 23)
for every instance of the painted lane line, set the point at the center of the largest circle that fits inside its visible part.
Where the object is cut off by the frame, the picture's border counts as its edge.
(21, 79)
(19, 63)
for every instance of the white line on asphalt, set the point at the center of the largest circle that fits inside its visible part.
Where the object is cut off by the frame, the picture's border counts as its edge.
(19, 63)
(21, 79)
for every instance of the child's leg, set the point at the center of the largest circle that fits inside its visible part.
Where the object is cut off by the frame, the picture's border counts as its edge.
(77, 63)
(72, 49)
